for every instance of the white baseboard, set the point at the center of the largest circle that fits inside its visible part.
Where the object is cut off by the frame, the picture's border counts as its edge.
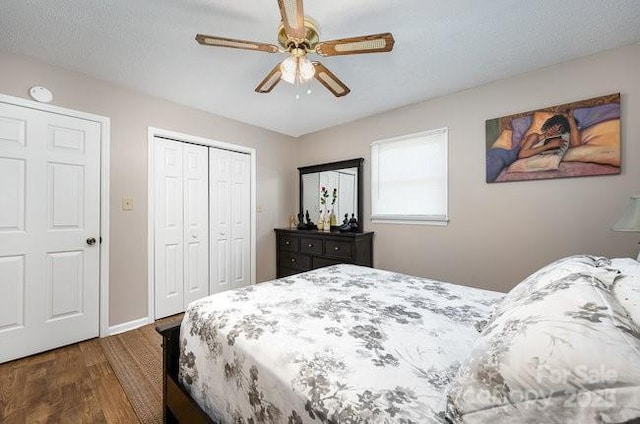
(128, 326)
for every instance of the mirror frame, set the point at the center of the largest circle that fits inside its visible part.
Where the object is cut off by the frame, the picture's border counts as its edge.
(334, 166)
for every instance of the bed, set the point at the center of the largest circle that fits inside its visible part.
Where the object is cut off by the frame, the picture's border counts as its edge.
(349, 344)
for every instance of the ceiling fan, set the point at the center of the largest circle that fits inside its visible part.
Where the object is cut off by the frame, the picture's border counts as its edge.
(299, 36)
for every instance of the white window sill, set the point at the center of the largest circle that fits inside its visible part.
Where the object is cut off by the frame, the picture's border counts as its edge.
(411, 221)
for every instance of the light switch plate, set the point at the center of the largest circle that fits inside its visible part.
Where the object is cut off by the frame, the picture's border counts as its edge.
(127, 204)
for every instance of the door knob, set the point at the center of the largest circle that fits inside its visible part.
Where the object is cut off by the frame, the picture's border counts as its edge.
(91, 241)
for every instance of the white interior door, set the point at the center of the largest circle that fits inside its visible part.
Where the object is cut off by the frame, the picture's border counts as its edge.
(181, 262)
(49, 230)
(169, 228)
(230, 206)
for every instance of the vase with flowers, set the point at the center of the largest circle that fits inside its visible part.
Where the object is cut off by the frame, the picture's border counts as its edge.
(320, 223)
(323, 218)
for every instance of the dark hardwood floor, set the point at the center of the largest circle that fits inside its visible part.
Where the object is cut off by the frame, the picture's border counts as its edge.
(69, 385)
(73, 384)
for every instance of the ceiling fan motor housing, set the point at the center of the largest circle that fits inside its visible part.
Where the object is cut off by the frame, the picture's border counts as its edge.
(311, 36)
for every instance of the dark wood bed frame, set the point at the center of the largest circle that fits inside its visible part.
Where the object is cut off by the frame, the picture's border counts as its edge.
(177, 404)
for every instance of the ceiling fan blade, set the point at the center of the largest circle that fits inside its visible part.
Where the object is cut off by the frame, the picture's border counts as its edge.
(270, 81)
(375, 43)
(292, 18)
(330, 81)
(211, 40)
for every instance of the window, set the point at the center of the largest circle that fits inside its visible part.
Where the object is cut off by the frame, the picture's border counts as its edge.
(409, 178)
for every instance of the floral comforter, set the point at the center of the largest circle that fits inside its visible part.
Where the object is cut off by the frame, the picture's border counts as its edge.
(343, 344)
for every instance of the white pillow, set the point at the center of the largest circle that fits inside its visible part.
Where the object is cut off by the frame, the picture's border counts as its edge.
(626, 287)
(560, 350)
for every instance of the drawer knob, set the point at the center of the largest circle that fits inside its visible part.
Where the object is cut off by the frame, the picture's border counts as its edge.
(310, 245)
(336, 248)
(287, 242)
(293, 259)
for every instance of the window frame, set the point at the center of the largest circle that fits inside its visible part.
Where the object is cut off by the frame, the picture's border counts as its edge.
(411, 219)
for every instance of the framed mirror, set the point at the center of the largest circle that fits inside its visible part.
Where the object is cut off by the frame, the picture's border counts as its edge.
(345, 177)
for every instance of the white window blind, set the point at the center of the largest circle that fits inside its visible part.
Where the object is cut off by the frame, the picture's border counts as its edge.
(409, 178)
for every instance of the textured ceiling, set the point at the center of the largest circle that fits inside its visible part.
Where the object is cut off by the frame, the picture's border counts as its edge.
(442, 46)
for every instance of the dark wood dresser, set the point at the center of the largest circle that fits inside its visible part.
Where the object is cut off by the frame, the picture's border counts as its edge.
(301, 250)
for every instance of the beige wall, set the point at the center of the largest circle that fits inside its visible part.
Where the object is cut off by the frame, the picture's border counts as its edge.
(131, 114)
(499, 233)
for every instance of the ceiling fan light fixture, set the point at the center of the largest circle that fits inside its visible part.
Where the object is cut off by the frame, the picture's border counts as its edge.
(297, 69)
(289, 69)
(306, 69)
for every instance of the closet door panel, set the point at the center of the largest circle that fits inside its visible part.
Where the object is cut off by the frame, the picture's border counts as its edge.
(240, 205)
(169, 228)
(196, 222)
(220, 187)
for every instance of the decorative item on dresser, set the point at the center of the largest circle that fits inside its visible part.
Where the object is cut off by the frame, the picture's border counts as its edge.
(303, 250)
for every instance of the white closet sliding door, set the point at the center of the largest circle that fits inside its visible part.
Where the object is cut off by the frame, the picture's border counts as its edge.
(181, 250)
(230, 206)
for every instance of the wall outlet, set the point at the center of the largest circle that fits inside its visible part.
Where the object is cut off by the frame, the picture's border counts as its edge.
(127, 203)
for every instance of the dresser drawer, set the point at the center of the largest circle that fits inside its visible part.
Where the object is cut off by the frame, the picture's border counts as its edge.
(289, 243)
(311, 245)
(302, 250)
(295, 261)
(338, 249)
